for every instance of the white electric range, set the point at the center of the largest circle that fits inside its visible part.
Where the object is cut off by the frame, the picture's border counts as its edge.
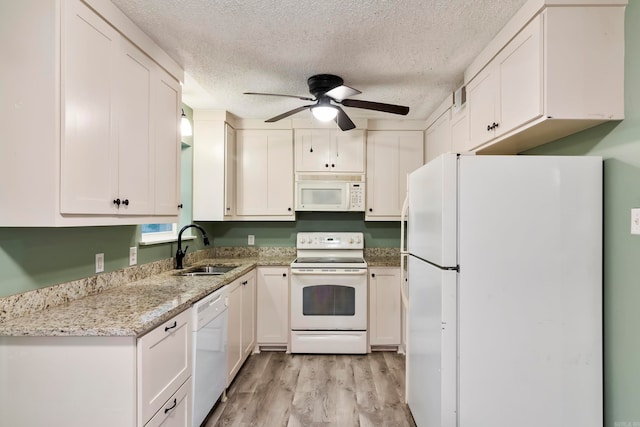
(329, 294)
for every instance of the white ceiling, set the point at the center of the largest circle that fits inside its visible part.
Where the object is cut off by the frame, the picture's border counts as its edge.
(407, 52)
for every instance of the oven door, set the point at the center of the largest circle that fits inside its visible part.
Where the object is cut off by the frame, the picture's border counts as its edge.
(328, 299)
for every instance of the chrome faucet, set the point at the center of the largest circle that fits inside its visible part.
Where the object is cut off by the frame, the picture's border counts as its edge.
(180, 254)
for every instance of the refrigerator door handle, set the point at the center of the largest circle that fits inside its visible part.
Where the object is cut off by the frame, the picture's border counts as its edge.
(403, 250)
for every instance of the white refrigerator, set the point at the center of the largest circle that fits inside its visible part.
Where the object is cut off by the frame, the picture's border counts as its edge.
(505, 292)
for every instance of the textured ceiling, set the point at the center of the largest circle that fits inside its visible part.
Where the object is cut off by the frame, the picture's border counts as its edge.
(407, 52)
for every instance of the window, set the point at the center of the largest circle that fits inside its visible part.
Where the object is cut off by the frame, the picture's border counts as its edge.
(158, 233)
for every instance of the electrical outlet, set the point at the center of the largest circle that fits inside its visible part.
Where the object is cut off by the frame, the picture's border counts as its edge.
(635, 221)
(133, 255)
(99, 263)
(251, 240)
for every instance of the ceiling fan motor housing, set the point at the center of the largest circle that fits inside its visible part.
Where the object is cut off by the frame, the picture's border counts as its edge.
(323, 83)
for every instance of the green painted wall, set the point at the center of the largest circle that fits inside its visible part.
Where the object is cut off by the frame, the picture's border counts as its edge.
(619, 145)
(376, 234)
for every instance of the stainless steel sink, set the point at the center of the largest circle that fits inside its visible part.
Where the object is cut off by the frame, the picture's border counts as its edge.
(207, 270)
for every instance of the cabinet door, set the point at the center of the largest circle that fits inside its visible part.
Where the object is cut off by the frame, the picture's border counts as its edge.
(164, 364)
(329, 150)
(234, 331)
(520, 68)
(313, 148)
(264, 173)
(438, 137)
(391, 155)
(273, 305)
(384, 306)
(347, 151)
(167, 115)
(460, 141)
(89, 152)
(482, 101)
(136, 172)
(229, 170)
(248, 283)
(177, 411)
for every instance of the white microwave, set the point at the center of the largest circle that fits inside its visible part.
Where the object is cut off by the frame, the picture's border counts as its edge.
(330, 193)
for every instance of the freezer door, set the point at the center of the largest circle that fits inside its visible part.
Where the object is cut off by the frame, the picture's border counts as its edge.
(431, 348)
(432, 220)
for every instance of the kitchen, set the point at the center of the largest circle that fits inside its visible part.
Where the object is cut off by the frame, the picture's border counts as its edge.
(30, 259)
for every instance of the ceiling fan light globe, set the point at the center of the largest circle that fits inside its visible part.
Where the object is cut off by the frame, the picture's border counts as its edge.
(324, 113)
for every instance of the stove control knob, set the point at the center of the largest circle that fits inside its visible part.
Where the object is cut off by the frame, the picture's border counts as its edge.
(358, 240)
(351, 241)
(302, 240)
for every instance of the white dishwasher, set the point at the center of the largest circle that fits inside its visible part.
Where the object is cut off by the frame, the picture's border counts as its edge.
(209, 352)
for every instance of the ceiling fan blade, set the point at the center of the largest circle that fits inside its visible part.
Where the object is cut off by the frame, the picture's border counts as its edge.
(377, 106)
(341, 92)
(304, 98)
(343, 121)
(288, 113)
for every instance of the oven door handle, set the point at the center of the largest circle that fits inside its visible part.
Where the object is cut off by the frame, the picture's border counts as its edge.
(359, 272)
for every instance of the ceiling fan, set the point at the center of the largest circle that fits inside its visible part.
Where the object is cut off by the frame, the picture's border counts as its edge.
(329, 93)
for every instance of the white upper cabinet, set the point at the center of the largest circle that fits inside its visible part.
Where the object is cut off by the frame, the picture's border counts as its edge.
(329, 150)
(560, 73)
(214, 167)
(264, 175)
(106, 148)
(438, 137)
(391, 155)
(508, 92)
(89, 154)
(166, 114)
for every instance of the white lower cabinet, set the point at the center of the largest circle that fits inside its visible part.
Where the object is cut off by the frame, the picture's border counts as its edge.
(384, 306)
(164, 364)
(241, 334)
(98, 381)
(177, 411)
(273, 306)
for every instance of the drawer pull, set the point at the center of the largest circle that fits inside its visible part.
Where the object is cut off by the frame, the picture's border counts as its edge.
(166, 328)
(175, 403)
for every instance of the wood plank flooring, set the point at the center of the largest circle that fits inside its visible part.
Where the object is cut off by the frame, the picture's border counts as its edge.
(279, 389)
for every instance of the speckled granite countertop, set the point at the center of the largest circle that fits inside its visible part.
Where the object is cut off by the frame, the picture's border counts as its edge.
(383, 261)
(134, 308)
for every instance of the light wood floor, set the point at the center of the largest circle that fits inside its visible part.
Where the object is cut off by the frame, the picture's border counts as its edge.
(279, 389)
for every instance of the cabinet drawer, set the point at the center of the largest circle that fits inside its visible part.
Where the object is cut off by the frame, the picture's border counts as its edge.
(176, 412)
(164, 364)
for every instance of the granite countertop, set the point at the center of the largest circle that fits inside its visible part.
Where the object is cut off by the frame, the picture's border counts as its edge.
(134, 308)
(383, 261)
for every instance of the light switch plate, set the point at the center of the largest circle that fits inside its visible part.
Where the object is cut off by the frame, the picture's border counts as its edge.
(635, 221)
(133, 255)
(251, 240)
